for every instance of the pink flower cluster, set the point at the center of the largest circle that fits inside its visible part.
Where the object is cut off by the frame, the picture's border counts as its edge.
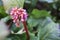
(18, 14)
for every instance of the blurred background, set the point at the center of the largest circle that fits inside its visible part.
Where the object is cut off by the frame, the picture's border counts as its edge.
(43, 21)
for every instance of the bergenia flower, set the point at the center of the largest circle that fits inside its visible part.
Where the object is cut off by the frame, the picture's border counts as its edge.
(18, 14)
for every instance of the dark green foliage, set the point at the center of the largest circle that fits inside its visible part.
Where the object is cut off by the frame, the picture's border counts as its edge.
(2, 12)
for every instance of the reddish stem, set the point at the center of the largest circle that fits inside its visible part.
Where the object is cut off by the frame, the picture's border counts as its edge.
(26, 29)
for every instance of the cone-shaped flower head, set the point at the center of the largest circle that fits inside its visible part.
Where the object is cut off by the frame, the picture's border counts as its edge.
(18, 14)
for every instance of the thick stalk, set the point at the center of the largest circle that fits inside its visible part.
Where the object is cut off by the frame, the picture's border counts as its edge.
(26, 29)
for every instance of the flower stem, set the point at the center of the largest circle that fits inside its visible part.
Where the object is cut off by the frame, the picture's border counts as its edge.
(26, 29)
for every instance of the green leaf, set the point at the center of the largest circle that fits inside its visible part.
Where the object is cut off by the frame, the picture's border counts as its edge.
(13, 3)
(33, 2)
(5, 19)
(32, 23)
(48, 30)
(16, 29)
(39, 13)
(2, 12)
(32, 36)
(17, 37)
